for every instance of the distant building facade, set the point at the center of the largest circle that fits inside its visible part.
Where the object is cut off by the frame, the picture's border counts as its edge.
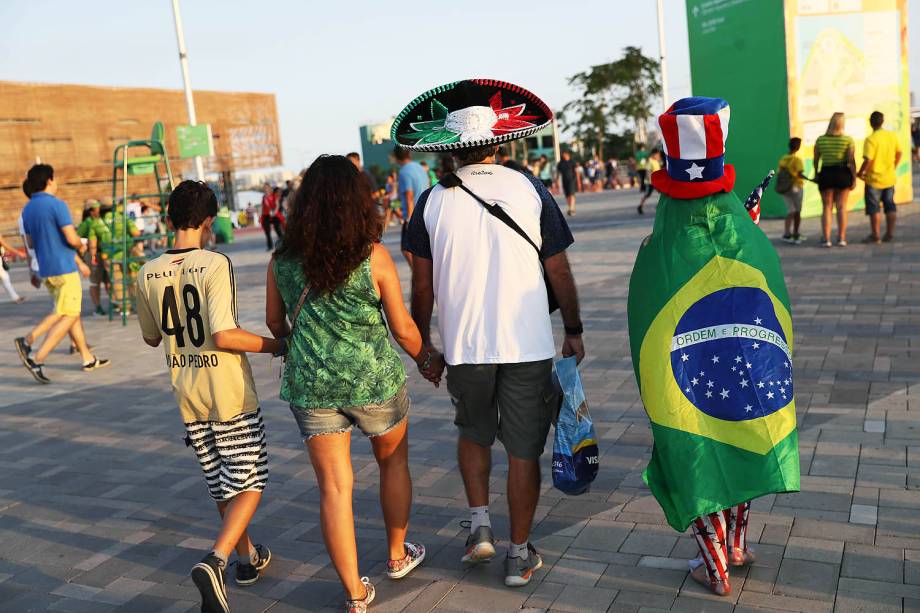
(75, 128)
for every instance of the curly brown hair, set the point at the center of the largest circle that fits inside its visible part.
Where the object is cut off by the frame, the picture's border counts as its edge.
(333, 222)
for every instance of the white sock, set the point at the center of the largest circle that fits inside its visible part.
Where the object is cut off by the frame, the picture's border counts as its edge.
(253, 554)
(479, 516)
(518, 551)
(221, 557)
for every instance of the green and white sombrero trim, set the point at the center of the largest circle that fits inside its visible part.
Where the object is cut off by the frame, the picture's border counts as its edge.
(474, 126)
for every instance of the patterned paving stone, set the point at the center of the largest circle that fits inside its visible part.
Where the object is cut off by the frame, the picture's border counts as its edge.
(102, 507)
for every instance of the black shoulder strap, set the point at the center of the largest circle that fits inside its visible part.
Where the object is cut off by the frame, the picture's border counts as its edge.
(452, 180)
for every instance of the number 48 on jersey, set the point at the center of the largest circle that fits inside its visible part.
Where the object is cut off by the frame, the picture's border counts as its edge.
(170, 322)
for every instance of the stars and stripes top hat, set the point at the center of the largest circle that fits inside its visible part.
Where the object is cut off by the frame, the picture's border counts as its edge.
(693, 132)
(469, 113)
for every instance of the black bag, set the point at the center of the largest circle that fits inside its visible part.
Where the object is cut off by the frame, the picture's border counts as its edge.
(452, 180)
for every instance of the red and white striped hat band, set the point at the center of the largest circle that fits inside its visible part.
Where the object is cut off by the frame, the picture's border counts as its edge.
(694, 131)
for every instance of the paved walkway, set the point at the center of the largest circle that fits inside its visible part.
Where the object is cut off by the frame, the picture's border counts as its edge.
(103, 508)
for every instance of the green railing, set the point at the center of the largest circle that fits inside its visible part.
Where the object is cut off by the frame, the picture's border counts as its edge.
(120, 249)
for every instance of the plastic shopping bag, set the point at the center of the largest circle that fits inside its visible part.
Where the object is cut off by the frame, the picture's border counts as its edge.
(575, 456)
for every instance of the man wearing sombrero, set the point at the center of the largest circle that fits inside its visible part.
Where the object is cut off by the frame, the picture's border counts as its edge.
(482, 240)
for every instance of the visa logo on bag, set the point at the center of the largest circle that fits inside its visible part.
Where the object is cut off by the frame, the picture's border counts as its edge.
(575, 453)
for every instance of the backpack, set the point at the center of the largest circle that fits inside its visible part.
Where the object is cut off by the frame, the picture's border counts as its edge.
(784, 181)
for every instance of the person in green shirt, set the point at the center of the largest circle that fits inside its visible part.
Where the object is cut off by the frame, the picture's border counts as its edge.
(881, 156)
(336, 282)
(834, 155)
(432, 175)
(96, 233)
(118, 232)
(641, 157)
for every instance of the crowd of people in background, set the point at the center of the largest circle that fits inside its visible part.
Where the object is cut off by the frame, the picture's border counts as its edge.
(836, 173)
(102, 228)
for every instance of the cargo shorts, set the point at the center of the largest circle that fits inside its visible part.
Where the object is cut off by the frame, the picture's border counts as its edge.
(513, 402)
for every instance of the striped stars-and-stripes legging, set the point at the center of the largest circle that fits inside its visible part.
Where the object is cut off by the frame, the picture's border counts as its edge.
(718, 534)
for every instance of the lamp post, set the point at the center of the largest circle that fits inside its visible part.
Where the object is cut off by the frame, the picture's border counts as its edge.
(662, 60)
(183, 62)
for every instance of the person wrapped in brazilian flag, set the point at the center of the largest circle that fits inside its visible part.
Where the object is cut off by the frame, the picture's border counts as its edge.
(711, 338)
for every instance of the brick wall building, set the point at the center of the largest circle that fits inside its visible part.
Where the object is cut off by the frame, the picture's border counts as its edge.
(76, 128)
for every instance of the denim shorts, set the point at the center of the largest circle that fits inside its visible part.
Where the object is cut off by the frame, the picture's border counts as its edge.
(876, 196)
(371, 419)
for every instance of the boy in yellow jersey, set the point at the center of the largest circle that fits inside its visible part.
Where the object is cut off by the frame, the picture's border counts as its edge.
(187, 296)
(881, 155)
(790, 184)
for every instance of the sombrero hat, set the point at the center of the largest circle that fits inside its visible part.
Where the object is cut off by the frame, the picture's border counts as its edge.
(469, 113)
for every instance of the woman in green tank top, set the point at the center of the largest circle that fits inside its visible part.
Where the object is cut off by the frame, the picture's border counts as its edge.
(336, 282)
(836, 177)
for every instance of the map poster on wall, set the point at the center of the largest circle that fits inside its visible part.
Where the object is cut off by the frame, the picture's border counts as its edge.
(848, 56)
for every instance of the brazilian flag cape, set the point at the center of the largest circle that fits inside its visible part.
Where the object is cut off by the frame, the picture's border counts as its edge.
(711, 339)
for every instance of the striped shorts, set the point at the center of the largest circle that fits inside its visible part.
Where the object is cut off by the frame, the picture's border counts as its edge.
(232, 454)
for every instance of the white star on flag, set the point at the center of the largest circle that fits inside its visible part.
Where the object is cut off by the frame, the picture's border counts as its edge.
(684, 357)
(747, 365)
(687, 389)
(786, 382)
(748, 408)
(756, 345)
(771, 384)
(760, 384)
(695, 172)
(708, 394)
(737, 359)
(709, 384)
(744, 382)
(786, 364)
(694, 381)
(715, 359)
(770, 395)
(782, 390)
(758, 321)
(702, 374)
(724, 393)
(734, 368)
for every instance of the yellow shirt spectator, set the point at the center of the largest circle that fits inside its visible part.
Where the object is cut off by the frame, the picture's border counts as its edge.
(794, 166)
(881, 148)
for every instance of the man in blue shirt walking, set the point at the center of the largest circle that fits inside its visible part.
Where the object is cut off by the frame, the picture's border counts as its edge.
(50, 232)
(411, 182)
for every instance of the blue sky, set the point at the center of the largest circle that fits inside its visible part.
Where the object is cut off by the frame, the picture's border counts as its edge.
(335, 65)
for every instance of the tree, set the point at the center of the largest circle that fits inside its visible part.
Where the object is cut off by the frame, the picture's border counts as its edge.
(614, 95)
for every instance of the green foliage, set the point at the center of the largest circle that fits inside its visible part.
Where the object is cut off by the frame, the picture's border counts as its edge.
(616, 95)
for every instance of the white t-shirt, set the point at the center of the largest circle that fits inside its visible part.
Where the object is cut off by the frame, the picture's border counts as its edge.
(33, 259)
(488, 281)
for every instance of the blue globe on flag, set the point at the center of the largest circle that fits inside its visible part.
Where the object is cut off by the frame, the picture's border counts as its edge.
(730, 357)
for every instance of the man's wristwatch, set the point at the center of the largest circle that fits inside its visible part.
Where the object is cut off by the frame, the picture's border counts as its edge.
(281, 352)
(576, 330)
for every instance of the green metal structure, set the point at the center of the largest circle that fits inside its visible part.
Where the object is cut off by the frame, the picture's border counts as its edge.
(135, 158)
